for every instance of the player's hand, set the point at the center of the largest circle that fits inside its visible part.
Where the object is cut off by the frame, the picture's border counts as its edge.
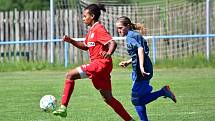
(144, 73)
(123, 64)
(104, 54)
(67, 39)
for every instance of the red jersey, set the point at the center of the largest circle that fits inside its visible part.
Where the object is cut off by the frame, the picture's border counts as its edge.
(96, 39)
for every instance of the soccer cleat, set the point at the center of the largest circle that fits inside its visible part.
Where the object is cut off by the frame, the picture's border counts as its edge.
(62, 112)
(168, 93)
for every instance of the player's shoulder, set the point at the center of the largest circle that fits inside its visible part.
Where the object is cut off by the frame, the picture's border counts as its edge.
(98, 26)
(100, 29)
(134, 34)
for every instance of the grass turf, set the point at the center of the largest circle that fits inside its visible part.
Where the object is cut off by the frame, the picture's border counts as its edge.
(194, 89)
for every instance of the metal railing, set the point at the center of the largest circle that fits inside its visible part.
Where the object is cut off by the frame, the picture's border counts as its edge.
(154, 39)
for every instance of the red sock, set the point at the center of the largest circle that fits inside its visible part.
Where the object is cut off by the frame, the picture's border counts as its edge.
(68, 89)
(119, 109)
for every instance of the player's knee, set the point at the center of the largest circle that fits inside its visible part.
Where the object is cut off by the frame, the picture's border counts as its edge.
(70, 76)
(108, 99)
(106, 95)
(135, 101)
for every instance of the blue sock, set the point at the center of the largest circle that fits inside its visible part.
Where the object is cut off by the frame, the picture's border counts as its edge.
(141, 110)
(151, 97)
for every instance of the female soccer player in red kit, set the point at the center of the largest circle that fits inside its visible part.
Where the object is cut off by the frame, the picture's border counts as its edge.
(100, 46)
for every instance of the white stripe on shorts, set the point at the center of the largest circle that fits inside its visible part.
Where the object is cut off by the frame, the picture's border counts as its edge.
(82, 73)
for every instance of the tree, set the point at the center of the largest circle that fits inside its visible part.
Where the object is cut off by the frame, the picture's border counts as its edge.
(195, 1)
(6, 5)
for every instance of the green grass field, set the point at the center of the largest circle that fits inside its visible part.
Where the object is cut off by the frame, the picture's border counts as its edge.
(194, 88)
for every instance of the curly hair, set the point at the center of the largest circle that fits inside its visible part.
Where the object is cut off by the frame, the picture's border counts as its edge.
(95, 10)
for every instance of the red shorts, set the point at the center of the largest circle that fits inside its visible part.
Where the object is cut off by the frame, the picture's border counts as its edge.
(99, 71)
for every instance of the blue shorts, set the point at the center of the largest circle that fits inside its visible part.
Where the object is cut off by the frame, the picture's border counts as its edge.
(140, 87)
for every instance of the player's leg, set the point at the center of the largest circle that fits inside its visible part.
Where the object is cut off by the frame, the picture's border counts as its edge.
(140, 101)
(115, 104)
(147, 98)
(165, 91)
(71, 76)
(141, 111)
(101, 80)
(141, 95)
(150, 97)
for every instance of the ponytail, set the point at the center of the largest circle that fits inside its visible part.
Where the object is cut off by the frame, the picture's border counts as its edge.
(102, 7)
(127, 22)
(140, 27)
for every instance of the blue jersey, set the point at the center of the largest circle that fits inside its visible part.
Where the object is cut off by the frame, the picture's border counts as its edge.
(134, 41)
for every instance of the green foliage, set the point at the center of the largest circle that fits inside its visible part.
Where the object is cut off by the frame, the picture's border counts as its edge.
(6, 5)
(167, 1)
(188, 62)
(64, 4)
(28, 66)
(198, 61)
(113, 1)
(196, 1)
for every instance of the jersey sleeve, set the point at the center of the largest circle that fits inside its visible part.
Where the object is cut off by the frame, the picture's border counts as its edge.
(143, 43)
(135, 42)
(102, 36)
(139, 41)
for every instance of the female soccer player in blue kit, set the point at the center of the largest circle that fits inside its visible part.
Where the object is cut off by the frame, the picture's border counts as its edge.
(142, 68)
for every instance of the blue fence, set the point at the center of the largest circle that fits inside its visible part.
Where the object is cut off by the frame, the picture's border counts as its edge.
(153, 39)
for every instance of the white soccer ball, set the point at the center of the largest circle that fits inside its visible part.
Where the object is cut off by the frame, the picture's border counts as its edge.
(48, 103)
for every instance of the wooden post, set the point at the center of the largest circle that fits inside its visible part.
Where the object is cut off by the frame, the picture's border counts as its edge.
(17, 30)
(39, 36)
(6, 22)
(1, 34)
(44, 27)
(75, 56)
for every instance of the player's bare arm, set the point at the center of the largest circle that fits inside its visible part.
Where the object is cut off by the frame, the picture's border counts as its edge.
(141, 57)
(77, 44)
(112, 47)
